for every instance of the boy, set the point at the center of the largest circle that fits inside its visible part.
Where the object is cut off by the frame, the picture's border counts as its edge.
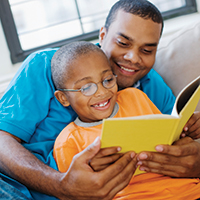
(84, 80)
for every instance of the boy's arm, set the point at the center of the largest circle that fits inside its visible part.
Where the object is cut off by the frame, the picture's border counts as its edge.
(80, 181)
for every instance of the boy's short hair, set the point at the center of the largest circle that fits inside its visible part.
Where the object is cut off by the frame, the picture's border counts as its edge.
(63, 59)
(141, 8)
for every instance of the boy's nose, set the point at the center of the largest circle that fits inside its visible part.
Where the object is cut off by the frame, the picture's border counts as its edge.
(101, 90)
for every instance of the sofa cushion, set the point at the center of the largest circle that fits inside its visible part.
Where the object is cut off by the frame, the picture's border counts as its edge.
(178, 58)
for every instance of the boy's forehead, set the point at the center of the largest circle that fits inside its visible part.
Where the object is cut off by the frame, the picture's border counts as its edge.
(93, 62)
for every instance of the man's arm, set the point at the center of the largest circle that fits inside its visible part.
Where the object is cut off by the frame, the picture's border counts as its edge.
(179, 160)
(80, 181)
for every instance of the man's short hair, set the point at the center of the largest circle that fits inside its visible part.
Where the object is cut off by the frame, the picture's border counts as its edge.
(141, 8)
(63, 59)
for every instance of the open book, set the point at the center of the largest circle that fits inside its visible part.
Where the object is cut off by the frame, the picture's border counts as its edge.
(143, 133)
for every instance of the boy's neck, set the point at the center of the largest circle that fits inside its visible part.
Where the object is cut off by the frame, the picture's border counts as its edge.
(78, 122)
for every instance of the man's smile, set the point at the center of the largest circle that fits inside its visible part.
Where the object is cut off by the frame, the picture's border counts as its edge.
(126, 70)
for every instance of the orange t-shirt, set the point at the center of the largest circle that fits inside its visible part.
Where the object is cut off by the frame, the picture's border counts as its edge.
(132, 102)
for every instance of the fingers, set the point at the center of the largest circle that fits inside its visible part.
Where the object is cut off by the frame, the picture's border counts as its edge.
(88, 153)
(195, 116)
(101, 163)
(122, 179)
(119, 168)
(184, 147)
(169, 170)
(195, 134)
(108, 151)
(192, 127)
(179, 160)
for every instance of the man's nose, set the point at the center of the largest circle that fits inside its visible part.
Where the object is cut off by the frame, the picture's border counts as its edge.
(132, 56)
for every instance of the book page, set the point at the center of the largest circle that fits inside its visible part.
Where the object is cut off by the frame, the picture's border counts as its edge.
(184, 96)
(186, 104)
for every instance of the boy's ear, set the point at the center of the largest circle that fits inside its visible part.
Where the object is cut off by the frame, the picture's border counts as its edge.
(102, 34)
(61, 97)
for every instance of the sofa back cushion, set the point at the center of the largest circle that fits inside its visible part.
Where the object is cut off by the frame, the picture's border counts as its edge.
(178, 58)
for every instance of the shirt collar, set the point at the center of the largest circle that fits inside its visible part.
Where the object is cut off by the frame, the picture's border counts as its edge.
(78, 122)
(142, 80)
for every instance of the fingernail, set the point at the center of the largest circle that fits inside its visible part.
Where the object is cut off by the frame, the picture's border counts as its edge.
(186, 128)
(139, 163)
(143, 169)
(159, 148)
(183, 135)
(143, 156)
(132, 155)
(119, 149)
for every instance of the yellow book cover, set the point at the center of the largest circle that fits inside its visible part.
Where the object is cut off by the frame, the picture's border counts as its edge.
(143, 133)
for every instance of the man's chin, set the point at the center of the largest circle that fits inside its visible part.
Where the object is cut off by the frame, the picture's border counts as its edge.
(123, 85)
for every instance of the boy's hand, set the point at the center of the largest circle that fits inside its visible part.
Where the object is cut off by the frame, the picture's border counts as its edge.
(105, 157)
(192, 127)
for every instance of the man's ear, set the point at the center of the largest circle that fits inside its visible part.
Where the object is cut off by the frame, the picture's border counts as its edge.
(102, 34)
(61, 97)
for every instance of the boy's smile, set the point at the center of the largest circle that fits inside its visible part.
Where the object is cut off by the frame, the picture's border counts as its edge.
(102, 105)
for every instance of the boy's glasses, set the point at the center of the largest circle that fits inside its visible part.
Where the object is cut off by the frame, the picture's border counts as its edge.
(91, 88)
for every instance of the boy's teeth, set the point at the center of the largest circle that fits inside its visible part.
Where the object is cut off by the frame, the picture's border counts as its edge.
(102, 104)
(128, 70)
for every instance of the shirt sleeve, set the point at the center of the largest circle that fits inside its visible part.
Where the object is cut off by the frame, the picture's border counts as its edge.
(66, 147)
(159, 92)
(26, 101)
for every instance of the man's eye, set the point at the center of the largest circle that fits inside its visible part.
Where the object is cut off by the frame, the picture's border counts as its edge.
(147, 51)
(121, 43)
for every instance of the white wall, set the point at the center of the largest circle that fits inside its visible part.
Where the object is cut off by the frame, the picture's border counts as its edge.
(7, 69)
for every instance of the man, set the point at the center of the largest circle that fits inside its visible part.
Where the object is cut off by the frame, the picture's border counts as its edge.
(31, 119)
(130, 38)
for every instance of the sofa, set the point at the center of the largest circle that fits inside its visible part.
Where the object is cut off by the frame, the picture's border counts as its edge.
(178, 57)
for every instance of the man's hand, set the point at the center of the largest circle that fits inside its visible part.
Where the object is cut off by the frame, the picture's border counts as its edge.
(80, 182)
(83, 183)
(192, 127)
(182, 159)
(105, 157)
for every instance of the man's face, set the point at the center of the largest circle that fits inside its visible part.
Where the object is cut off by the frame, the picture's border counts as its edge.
(91, 68)
(130, 44)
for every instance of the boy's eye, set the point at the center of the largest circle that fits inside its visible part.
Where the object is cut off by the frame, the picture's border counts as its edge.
(109, 81)
(86, 87)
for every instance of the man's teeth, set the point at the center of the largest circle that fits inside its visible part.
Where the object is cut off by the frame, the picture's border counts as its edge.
(128, 70)
(102, 104)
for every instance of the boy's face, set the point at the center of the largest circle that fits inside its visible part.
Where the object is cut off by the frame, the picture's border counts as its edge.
(91, 68)
(130, 44)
